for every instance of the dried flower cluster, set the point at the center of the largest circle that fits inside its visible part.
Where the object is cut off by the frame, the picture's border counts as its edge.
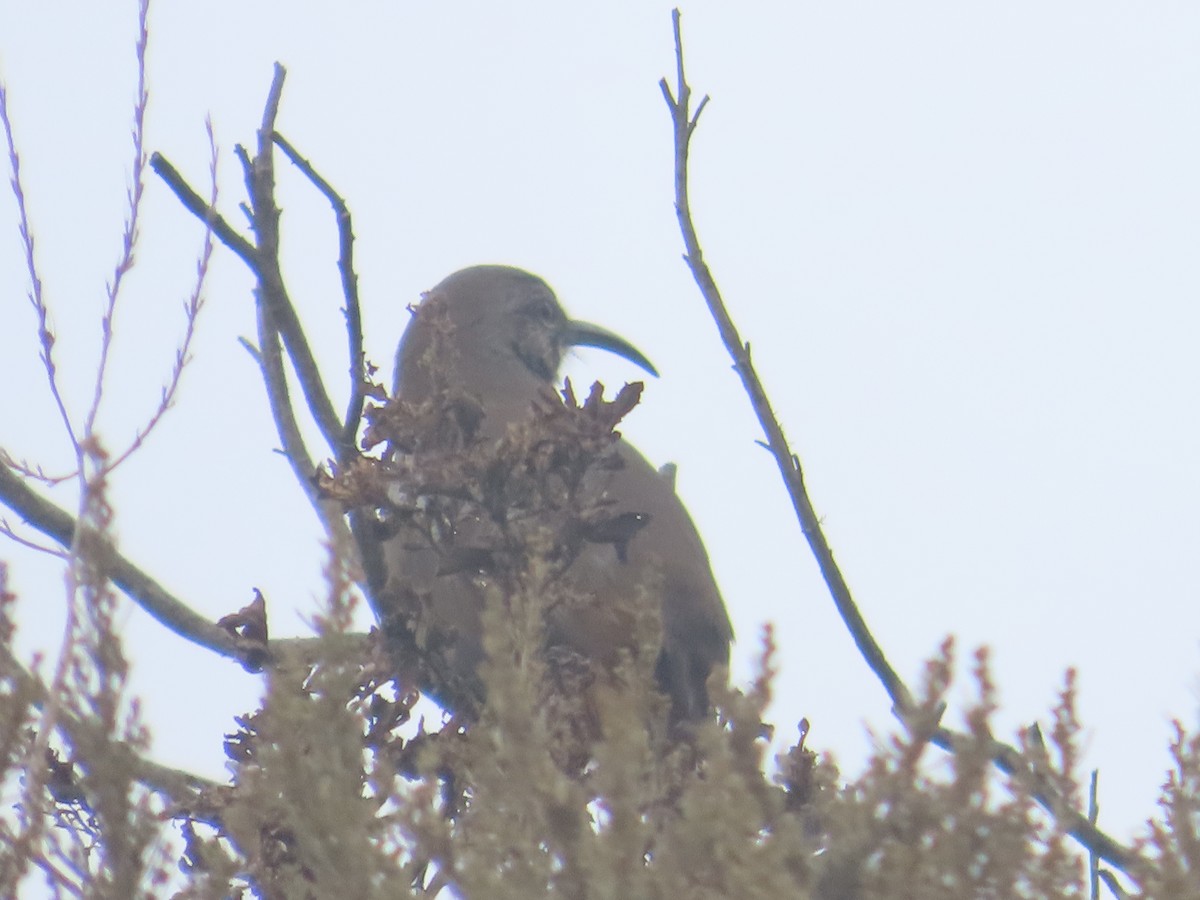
(514, 512)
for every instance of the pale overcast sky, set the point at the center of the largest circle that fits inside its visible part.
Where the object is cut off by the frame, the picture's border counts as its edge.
(962, 239)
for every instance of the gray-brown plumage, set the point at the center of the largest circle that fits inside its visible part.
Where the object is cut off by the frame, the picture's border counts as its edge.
(499, 338)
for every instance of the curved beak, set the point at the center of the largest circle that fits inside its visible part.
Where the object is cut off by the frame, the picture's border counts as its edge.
(585, 334)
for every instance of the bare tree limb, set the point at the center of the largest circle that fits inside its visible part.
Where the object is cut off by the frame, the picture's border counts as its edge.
(274, 292)
(369, 548)
(1005, 757)
(277, 319)
(276, 314)
(8, 531)
(55, 522)
(191, 314)
(61, 526)
(787, 462)
(129, 236)
(353, 311)
(196, 205)
(37, 297)
(1114, 886)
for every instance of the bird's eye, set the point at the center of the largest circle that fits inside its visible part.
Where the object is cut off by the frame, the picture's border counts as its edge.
(544, 310)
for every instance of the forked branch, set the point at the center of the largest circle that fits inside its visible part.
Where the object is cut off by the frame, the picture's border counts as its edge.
(279, 325)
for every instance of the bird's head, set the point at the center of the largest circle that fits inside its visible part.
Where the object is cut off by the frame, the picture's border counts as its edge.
(496, 331)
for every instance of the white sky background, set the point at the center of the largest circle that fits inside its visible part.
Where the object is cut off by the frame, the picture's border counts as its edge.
(961, 240)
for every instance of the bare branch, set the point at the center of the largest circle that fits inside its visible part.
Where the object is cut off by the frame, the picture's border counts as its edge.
(276, 315)
(369, 547)
(191, 313)
(787, 462)
(195, 204)
(7, 530)
(1010, 761)
(129, 236)
(352, 311)
(277, 319)
(1005, 757)
(32, 470)
(1110, 882)
(88, 598)
(55, 522)
(272, 291)
(36, 297)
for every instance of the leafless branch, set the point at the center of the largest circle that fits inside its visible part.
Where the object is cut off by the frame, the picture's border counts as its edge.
(1005, 757)
(273, 292)
(36, 297)
(277, 316)
(31, 470)
(88, 599)
(56, 523)
(369, 549)
(1011, 762)
(7, 530)
(277, 319)
(191, 313)
(353, 311)
(787, 462)
(1114, 886)
(195, 204)
(129, 236)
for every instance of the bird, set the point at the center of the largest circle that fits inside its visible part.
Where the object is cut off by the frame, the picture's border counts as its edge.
(500, 339)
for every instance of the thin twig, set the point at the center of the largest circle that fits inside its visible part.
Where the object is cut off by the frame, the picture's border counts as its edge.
(273, 291)
(277, 320)
(1093, 817)
(31, 470)
(369, 547)
(277, 316)
(353, 311)
(129, 235)
(195, 204)
(81, 561)
(191, 314)
(787, 462)
(1005, 757)
(62, 881)
(36, 297)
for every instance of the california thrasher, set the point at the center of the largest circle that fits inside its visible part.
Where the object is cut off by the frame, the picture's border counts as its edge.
(500, 339)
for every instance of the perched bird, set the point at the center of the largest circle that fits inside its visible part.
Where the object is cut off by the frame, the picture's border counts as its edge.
(500, 338)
